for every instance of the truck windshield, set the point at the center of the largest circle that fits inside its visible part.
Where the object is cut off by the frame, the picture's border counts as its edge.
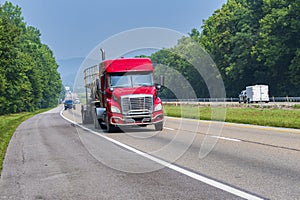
(136, 79)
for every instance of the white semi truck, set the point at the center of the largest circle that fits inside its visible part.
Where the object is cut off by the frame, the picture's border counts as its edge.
(255, 94)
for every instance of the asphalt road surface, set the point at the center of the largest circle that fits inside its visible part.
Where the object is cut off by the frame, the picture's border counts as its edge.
(52, 158)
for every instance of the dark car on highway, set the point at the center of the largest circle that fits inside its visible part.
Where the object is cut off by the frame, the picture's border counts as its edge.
(69, 104)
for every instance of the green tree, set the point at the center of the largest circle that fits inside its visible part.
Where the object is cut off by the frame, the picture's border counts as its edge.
(229, 36)
(50, 78)
(278, 45)
(179, 67)
(10, 60)
(256, 42)
(28, 70)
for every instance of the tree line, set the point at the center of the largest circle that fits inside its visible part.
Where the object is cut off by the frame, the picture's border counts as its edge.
(28, 70)
(251, 42)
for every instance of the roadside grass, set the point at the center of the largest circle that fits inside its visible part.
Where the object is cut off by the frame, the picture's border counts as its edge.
(296, 106)
(287, 118)
(8, 125)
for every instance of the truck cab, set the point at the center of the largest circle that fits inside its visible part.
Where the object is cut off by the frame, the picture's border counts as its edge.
(243, 96)
(123, 93)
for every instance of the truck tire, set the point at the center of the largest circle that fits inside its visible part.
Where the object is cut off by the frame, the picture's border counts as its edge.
(102, 124)
(83, 117)
(86, 117)
(109, 127)
(159, 126)
(96, 122)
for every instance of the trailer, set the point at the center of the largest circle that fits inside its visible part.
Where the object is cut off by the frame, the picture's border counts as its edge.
(121, 93)
(255, 94)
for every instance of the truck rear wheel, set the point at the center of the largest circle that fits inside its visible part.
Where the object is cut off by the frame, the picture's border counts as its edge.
(96, 121)
(96, 124)
(85, 115)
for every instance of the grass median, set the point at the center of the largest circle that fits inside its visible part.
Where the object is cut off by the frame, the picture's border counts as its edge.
(8, 125)
(287, 118)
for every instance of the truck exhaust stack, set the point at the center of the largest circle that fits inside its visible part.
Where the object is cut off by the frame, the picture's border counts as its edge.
(103, 54)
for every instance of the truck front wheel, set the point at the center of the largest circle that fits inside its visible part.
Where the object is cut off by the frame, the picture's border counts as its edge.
(109, 127)
(102, 124)
(159, 126)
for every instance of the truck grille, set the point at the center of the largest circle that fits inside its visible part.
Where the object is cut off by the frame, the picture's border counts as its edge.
(137, 104)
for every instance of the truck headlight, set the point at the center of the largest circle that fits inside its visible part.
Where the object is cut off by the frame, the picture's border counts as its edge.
(158, 107)
(115, 109)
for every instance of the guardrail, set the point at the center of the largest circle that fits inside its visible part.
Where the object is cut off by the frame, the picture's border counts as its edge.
(272, 99)
(285, 99)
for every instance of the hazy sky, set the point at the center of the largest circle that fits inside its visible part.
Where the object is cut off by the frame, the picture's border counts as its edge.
(73, 28)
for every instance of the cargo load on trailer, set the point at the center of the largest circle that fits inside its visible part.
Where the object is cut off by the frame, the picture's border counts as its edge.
(122, 92)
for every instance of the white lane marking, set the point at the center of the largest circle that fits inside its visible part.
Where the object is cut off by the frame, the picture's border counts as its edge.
(171, 129)
(193, 175)
(225, 138)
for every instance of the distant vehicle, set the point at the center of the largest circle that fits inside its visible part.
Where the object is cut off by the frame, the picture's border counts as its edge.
(255, 93)
(77, 101)
(69, 104)
(243, 96)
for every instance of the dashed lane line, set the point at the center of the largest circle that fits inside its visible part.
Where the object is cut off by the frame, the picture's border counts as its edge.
(213, 136)
(225, 138)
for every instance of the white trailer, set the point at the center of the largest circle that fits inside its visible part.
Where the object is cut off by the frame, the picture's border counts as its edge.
(257, 93)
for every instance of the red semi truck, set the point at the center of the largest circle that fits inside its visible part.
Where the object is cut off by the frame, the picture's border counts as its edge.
(122, 92)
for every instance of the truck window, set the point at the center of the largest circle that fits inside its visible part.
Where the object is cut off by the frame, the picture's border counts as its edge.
(119, 80)
(142, 79)
(136, 79)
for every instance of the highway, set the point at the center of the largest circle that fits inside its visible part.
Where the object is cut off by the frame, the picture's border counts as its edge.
(50, 157)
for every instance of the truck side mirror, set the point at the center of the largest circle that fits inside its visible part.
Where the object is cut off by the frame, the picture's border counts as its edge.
(158, 87)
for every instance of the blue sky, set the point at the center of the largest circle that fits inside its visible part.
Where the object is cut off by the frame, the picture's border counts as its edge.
(73, 28)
